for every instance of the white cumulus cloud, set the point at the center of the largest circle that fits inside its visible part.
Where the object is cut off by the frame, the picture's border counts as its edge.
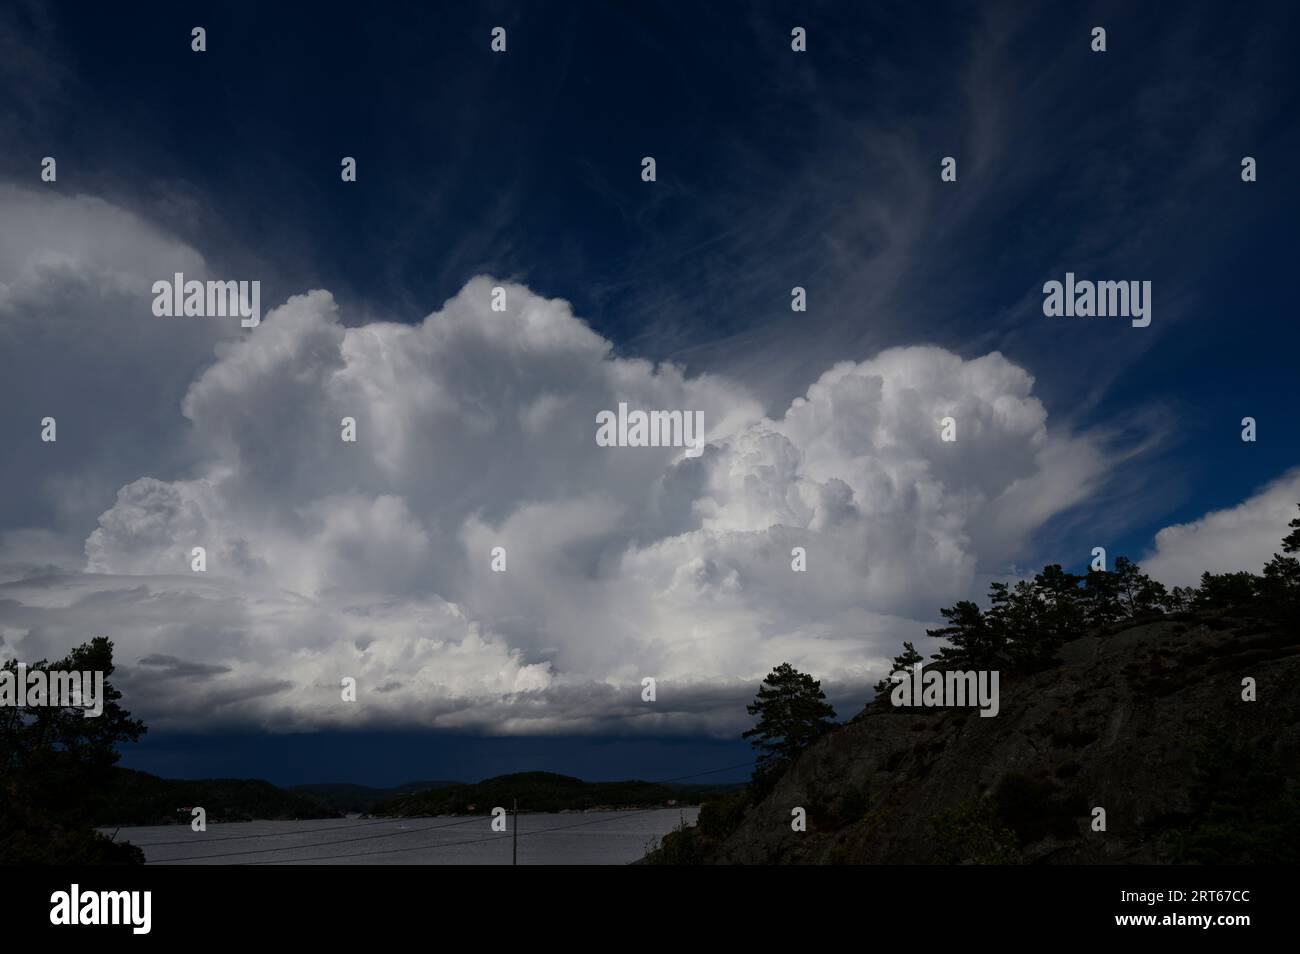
(476, 429)
(1243, 537)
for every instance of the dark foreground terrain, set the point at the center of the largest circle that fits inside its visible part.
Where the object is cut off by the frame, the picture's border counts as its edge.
(1147, 722)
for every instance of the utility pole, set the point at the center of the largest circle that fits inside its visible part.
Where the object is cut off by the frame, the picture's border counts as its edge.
(514, 847)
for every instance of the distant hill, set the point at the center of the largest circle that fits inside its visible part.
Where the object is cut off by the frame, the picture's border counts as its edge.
(346, 797)
(545, 792)
(138, 798)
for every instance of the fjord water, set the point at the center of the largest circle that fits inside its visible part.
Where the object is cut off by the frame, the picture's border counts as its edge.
(574, 838)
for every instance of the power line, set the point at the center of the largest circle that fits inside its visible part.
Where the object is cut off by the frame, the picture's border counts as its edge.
(665, 781)
(597, 821)
(320, 844)
(305, 831)
(451, 844)
(384, 851)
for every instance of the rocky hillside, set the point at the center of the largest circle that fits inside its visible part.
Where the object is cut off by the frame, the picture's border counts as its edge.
(1147, 722)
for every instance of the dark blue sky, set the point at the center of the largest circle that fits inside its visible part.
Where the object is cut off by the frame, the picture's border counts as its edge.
(383, 758)
(774, 170)
(526, 165)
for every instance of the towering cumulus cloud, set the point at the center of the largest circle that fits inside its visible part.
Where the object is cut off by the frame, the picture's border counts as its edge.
(475, 429)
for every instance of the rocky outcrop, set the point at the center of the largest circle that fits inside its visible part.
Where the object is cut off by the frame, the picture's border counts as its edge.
(1147, 723)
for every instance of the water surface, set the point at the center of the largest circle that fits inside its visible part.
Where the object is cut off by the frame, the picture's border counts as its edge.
(573, 838)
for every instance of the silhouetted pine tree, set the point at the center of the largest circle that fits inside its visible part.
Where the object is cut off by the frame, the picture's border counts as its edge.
(792, 713)
(1291, 542)
(903, 662)
(1015, 613)
(55, 768)
(1180, 599)
(1101, 598)
(1026, 624)
(975, 644)
(1280, 585)
(1226, 590)
(1139, 595)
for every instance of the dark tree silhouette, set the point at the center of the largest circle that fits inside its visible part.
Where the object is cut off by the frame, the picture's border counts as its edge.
(1139, 595)
(903, 662)
(1180, 599)
(973, 641)
(1291, 542)
(1280, 585)
(1226, 590)
(1027, 623)
(792, 713)
(1101, 603)
(56, 764)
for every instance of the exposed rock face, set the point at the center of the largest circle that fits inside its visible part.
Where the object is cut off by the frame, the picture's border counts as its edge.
(1130, 722)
